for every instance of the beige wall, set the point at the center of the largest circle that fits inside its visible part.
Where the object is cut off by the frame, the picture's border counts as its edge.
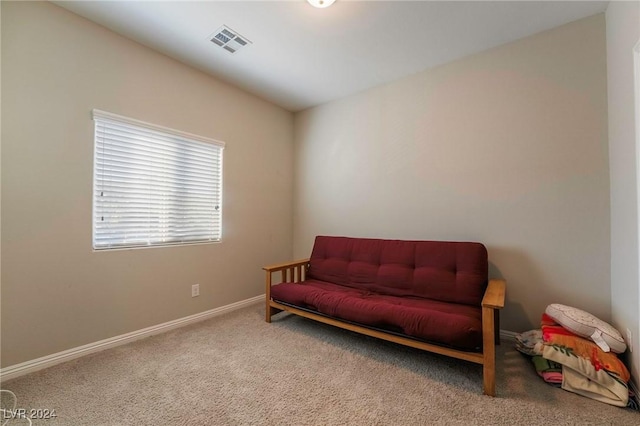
(56, 292)
(507, 147)
(623, 32)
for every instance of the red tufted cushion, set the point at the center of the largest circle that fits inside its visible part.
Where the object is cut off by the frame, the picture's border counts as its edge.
(451, 324)
(439, 270)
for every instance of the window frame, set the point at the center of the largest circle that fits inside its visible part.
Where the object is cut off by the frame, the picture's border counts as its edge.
(99, 116)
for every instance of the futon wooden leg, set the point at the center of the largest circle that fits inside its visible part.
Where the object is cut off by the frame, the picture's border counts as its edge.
(268, 312)
(496, 320)
(271, 311)
(489, 352)
(489, 379)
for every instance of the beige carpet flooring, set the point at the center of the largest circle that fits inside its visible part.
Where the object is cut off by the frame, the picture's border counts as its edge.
(238, 370)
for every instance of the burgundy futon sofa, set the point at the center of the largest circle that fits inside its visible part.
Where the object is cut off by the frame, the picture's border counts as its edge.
(431, 295)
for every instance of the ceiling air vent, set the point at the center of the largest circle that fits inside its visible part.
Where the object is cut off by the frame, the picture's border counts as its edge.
(229, 39)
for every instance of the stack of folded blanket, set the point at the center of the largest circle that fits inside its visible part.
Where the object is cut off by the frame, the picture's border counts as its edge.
(531, 343)
(579, 359)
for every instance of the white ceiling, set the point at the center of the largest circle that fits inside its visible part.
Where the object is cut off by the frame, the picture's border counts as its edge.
(301, 56)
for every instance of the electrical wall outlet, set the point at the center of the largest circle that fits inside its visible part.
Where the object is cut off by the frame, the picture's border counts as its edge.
(629, 340)
(195, 290)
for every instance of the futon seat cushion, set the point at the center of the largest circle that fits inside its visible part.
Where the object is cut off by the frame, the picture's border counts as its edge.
(455, 325)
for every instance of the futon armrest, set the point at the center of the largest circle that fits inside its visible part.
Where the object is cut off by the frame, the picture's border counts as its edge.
(295, 271)
(494, 294)
(286, 265)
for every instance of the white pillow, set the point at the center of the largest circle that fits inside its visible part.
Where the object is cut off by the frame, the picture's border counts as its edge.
(586, 325)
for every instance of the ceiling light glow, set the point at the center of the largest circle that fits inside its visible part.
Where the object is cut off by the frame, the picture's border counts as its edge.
(321, 3)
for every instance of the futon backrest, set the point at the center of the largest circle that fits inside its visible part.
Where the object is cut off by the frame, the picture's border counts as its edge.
(440, 270)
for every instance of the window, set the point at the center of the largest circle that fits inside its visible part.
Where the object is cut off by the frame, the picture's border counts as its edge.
(154, 186)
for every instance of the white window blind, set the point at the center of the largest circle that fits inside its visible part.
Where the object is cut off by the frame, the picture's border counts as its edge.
(153, 185)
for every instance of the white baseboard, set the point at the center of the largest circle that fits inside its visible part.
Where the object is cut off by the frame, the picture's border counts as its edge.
(508, 335)
(17, 370)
